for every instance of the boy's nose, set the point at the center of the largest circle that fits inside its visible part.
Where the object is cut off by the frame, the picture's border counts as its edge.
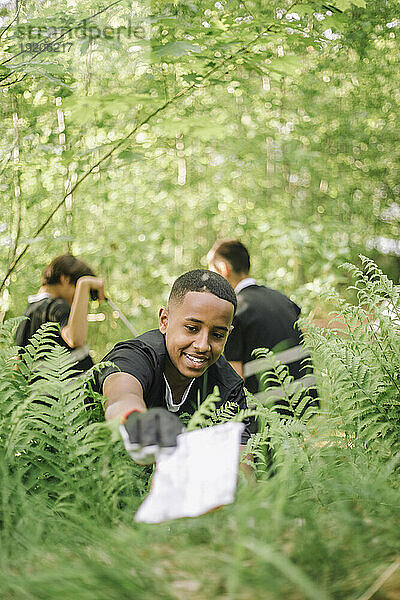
(201, 343)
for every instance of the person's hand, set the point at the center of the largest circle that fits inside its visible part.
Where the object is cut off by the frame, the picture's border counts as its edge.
(95, 286)
(145, 433)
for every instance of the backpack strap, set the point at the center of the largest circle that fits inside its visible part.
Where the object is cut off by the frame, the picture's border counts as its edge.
(46, 317)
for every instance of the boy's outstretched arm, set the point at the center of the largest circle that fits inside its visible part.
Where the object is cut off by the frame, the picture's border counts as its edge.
(124, 394)
(143, 431)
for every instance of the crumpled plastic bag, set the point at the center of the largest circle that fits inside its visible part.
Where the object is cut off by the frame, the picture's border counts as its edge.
(199, 476)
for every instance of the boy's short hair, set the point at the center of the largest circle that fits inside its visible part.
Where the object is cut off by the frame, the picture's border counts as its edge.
(67, 265)
(234, 252)
(202, 280)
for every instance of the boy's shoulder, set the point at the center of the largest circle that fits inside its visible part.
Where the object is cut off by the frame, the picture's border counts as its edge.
(154, 339)
(143, 357)
(151, 343)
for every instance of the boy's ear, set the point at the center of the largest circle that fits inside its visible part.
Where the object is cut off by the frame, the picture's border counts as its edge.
(163, 319)
(221, 267)
(224, 269)
(65, 279)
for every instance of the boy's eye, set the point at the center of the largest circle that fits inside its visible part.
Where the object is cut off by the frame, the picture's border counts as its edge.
(219, 336)
(191, 328)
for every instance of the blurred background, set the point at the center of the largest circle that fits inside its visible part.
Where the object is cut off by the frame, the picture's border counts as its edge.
(276, 123)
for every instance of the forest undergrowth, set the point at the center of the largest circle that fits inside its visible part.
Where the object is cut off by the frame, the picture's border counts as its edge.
(320, 523)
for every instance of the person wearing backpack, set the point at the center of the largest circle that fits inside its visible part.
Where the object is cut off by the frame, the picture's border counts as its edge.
(63, 298)
(265, 318)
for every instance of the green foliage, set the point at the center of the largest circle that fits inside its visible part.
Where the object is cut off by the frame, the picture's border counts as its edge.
(360, 371)
(53, 441)
(271, 121)
(69, 491)
(278, 379)
(208, 413)
(255, 125)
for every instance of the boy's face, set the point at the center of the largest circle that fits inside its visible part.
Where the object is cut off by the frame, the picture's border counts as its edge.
(195, 331)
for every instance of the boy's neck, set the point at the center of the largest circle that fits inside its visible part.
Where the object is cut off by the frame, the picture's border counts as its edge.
(177, 382)
(52, 290)
(236, 278)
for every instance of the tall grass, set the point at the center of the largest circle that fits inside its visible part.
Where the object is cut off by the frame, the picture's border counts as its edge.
(322, 524)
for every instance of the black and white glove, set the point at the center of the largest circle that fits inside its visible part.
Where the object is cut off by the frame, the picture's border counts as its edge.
(145, 433)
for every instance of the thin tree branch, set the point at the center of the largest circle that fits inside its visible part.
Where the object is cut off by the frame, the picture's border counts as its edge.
(12, 82)
(162, 107)
(7, 161)
(58, 38)
(14, 19)
(15, 241)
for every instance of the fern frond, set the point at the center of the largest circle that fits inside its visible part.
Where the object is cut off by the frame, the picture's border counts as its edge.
(40, 345)
(205, 411)
(8, 328)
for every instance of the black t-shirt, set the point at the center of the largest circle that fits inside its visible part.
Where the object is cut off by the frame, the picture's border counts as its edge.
(264, 318)
(44, 310)
(144, 358)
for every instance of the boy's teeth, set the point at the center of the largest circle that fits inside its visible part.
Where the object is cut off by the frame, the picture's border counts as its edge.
(195, 358)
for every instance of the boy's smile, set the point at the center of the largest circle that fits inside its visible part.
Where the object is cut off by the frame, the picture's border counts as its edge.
(196, 330)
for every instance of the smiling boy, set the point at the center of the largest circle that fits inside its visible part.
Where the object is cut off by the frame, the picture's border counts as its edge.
(173, 369)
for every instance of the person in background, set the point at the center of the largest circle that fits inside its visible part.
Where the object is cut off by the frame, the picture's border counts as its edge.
(265, 318)
(63, 298)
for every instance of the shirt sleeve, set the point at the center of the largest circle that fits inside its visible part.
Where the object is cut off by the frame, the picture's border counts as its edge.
(59, 312)
(234, 347)
(127, 357)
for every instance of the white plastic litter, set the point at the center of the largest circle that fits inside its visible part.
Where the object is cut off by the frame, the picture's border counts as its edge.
(200, 475)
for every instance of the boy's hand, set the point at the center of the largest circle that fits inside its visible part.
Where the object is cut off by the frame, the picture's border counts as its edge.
(95, 286)
(144, 433)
